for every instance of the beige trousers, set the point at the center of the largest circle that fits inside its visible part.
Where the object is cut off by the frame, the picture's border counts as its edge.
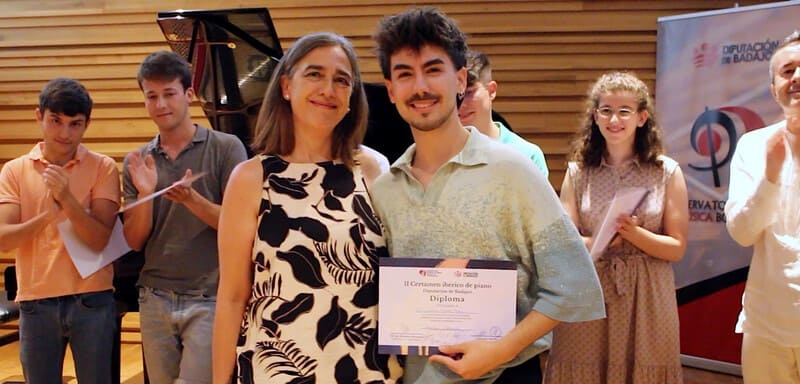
(764, 361)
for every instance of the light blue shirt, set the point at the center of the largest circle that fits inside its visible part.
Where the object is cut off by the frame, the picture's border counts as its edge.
(527, 148)
(491, 203)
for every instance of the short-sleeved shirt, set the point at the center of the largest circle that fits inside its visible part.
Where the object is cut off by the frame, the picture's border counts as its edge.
(490, 203)
(44, 268)
(181, 252)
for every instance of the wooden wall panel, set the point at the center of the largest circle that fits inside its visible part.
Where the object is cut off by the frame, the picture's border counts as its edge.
(544, 54)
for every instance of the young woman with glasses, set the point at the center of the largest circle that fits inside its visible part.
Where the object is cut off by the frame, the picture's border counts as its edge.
(619, 147)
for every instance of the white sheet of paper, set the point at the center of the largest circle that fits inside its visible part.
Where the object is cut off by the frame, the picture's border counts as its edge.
(87, 261)
(186, 182)
(625, 202)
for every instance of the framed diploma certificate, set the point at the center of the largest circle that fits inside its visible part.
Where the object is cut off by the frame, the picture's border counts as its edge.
(425, 303)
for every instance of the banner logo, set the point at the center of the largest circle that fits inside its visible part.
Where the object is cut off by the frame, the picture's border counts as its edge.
(748, 52)
(705, 55)
(707, 133)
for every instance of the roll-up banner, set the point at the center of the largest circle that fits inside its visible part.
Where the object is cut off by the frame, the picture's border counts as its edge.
(712, 86)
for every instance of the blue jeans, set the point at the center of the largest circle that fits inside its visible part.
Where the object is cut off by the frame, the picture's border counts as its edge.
(87, 322)
(176, 335)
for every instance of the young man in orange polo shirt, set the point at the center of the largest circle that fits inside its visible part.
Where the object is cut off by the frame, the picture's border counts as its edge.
(58, 180)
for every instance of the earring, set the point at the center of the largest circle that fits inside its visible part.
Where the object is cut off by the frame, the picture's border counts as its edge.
(286, 96)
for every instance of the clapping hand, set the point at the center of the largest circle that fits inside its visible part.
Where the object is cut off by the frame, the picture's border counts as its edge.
(776, 154)
(57, 182)
(143, 173)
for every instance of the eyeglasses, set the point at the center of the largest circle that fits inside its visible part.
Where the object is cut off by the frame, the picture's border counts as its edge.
(622, 113)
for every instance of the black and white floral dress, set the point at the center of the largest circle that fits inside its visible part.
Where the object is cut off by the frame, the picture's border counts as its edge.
(312, 314)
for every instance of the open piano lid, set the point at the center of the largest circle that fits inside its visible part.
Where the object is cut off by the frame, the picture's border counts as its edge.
(233, 53)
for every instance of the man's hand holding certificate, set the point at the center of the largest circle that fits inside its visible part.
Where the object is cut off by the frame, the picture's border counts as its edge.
(425, 303)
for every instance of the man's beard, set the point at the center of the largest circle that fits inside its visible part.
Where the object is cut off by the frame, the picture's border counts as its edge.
(425, 125)
(430, 121)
